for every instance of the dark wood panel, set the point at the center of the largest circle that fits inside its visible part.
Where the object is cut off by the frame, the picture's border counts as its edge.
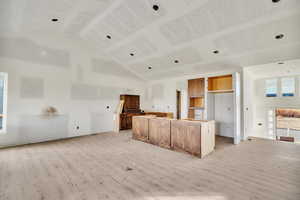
(131, 103)
(131, 108)
(126, 120)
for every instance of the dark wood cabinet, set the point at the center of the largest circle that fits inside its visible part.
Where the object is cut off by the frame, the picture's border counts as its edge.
(131, 103)
(131, 108)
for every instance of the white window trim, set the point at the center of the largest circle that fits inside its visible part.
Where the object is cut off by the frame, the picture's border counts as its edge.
(4, 118)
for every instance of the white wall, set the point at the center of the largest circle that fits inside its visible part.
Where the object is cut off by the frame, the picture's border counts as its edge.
(256, 105)
(224, 114)
(39, 77)
(162, 96)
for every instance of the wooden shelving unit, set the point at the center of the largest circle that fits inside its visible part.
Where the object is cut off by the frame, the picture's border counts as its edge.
(217, 98)
(196, 94)
(220, 84)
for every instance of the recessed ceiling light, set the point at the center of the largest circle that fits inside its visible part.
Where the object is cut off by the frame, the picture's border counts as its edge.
(132, 54)
(149, 67)
(275, 1)
(216, 52)
(278, 37)
(176, 61)
(108, 37)
(155, 7)
(54, 20)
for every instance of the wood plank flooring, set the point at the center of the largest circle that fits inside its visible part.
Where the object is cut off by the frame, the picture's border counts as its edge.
(113, 166)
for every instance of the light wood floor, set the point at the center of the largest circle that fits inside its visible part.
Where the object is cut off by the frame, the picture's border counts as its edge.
(112, 166)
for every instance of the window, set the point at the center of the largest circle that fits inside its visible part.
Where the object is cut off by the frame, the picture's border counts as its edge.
(288, 87)
(271, 88)
(3, 101)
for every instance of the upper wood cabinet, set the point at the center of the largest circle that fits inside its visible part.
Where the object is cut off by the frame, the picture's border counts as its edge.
(220, 84)
(196, 87)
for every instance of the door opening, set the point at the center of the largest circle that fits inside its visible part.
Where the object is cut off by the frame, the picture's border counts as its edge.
(178, 104)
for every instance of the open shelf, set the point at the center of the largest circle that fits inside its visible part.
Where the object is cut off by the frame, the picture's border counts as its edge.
(220, 84)
(196, 102)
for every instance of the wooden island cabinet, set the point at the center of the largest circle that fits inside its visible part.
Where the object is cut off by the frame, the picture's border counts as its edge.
(193, 137)
(140, 127)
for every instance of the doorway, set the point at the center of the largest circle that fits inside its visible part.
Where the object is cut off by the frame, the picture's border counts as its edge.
(178, 104)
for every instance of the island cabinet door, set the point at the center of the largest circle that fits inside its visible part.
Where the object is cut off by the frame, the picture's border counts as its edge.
(186, 136)
(160, 132)
(140, 128)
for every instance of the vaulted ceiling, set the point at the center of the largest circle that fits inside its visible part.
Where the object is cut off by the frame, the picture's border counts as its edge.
(164, 38)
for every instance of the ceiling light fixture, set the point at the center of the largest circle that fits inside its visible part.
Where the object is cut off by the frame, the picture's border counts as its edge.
(155, 7)
(108, 37)
(54, 20)
(278, 37)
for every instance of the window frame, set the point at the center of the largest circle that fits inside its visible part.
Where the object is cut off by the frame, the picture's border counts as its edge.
(295, 86)
(277, 88)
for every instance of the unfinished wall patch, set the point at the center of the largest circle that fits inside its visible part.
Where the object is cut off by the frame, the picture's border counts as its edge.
(38, 128)
(28, 50)
(101, 122)
(80, 73)
(32, 88)
(85, 92)
(158, 91)
(111, 93)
